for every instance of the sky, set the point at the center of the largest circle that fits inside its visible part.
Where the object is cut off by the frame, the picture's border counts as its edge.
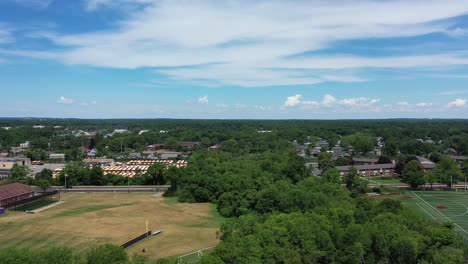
(236, 59)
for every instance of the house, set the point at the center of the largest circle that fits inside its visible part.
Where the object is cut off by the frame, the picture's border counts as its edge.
(427, 164)
(450, 151)
(216, 147)
(322, 143)
(188, 144)
(57, 156)
(155, 147)
(25, 145)
(92, 153)
(338, 151)
(458, 159)
(14, 192)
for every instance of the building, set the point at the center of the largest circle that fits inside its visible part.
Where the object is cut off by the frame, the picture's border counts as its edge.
(98, 162)
(427, 164)
(216, 147)
(7, 163)
(154, 147)
(57, 156)
(458, 159)
(188, 144)
(25, 145)
(14, 192)
(364, 161)
(370, 169)
(170, 155)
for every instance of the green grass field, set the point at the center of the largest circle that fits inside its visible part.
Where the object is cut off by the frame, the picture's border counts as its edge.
(442, 206)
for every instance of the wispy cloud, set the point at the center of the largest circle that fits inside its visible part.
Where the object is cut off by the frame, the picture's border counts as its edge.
(203, 99)
(64, 100)
(453, 92)
(256, 43)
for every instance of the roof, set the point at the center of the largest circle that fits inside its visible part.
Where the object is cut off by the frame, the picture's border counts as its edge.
(458, 157)
(14, 189)
(365, 160)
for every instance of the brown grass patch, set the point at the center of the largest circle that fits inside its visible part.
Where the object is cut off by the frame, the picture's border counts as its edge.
(88, 219)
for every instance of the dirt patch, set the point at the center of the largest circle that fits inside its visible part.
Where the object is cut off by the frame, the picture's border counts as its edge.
(441, 207)
(408, 197)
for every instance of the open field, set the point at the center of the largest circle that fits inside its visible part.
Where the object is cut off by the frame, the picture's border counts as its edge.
(441, 206)
(87, 219)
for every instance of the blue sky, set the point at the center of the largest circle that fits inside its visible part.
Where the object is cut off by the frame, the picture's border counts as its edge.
(234, 59)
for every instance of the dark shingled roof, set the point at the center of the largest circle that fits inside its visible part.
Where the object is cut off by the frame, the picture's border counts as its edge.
(14, 189)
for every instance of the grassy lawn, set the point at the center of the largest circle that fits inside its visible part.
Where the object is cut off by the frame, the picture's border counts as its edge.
(443, 206)
(382, 180)
(87, 219)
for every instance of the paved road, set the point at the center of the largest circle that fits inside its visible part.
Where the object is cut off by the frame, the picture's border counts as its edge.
(150, 188)
(406, 186)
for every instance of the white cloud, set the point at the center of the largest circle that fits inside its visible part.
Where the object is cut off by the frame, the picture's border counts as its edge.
(262, 36)
(331, 101)
(454, 92)
(328, 100)
(457, 103)
(293, 100)
(64, 100)
(203, 99)
(423, 104)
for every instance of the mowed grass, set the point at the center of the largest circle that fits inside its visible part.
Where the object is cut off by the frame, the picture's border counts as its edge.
(427, 203)
(88, 219)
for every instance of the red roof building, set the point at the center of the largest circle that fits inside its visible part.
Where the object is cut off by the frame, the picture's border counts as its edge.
(14, 192)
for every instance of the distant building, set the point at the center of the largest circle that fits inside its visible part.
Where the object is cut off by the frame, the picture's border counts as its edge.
(216, 147)
(39, 126)
(135, 155)
(25, 145)
(322, 143)
(14, 192)
(98, 162)
(170, 155)
(154, 147)
(458, 159)
(188, 144)
(142, 132)
(7, 163)
(370, 170)
(365, 161)
(92, 153)
(427, 164)
(57, 156)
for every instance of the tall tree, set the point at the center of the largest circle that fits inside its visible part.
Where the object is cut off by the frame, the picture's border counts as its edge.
(413, 174)
(448, 171)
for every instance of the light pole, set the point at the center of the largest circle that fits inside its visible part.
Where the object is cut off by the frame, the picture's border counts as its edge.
(66, 175)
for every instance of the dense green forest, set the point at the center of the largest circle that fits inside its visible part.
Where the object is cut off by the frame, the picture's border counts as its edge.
(399, 135)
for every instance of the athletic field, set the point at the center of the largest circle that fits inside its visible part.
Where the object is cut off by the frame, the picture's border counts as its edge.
(88, 219)
(441, 206)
